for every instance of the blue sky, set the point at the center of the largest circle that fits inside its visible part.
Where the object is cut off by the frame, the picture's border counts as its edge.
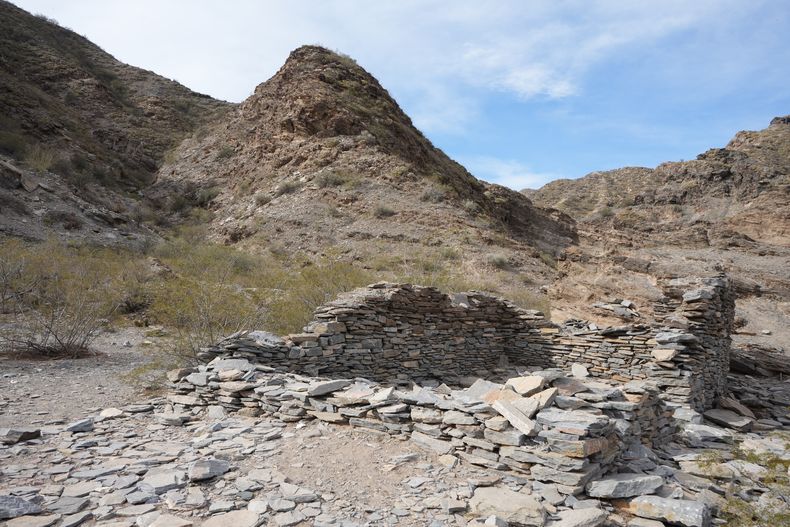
(520, 92)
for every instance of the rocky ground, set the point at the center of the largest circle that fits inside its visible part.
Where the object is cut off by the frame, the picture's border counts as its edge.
(49, 392)
(133, 463)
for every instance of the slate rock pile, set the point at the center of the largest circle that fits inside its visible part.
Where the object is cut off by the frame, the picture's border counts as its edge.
(555, 428)
(399, 333)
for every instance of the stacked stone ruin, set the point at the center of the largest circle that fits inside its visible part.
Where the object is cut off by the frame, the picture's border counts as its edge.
(394, 358)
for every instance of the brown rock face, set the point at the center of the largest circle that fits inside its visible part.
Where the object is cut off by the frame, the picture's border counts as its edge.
(89, 128)
(321, 158)
(728, 210)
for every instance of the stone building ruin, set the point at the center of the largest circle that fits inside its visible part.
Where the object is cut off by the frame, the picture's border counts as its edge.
(572, 401)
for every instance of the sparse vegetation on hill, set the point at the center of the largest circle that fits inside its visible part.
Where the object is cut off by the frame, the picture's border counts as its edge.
(58, 296)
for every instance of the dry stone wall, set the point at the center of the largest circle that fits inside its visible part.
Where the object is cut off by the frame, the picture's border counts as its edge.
(403, 333)
(390, 332)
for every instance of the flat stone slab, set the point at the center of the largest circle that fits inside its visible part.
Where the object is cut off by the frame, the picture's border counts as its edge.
(527, 385)
(13, 506)
(33, 521)
(317, 389)
(207, 469)
(245, 518)
(590, 517)
(729, 419)
(429, 443)
(624, 486)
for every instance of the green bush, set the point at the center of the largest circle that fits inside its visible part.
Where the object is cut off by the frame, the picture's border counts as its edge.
(60, 296)
(309, 287)
(288, 187)
(225, 152)
(332, 179)
(433, 195)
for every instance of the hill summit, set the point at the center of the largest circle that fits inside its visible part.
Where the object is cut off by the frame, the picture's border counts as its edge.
(322, 157)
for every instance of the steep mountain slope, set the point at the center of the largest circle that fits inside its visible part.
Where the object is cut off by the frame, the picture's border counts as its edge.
(89, 127)
(321, 159)
(728, 210)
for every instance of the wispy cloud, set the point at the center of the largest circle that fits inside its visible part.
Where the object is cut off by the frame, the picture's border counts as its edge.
(456, 66)
(507, 172)
(430, 51)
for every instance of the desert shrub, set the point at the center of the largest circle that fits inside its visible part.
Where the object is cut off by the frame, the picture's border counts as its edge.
(13, 144)
(382, 211)
(548, 259)
(61, 297)
(433, 195)
(10, 202)
(67, 220)
(498, 261)
(288, 187)
(309, 287)
(332, 179)
(15, 281)
(179, 203)
(205, 196)
(202, 311)
(262, 199)
(225, 152)
(471, 207)
(214, 291)
(183, 105)
(39, 158)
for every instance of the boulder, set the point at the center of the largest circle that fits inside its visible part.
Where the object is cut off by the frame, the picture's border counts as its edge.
(590, 517)
(207, 469)
(511, 506)
(680, 512)
(11, 436)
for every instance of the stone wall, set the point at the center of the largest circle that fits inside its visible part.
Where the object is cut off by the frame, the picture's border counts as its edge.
(402, 333)
(687, 351)
(547, 426)
(391, 332)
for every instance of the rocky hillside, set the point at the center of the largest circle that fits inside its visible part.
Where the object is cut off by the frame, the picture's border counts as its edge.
(89, 128)
(732, 190)
(321, 159)
(728, 210)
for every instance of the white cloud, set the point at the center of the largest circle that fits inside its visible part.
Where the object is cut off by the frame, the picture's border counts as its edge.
(507, 172)
(440, 58)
